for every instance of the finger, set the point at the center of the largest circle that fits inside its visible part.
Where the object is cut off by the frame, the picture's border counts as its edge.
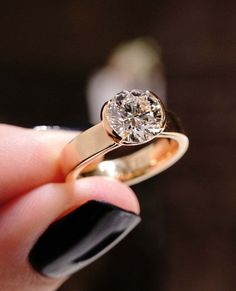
(106, 214)
(29, 159)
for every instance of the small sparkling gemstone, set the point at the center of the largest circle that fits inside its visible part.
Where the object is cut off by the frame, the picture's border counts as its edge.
(136, 116)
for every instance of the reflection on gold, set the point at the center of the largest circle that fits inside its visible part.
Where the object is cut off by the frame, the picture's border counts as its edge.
(137, 164)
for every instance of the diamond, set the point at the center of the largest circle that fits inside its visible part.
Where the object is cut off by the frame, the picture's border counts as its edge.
(135, 116)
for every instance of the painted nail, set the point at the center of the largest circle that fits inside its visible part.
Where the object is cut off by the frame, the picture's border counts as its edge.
(80, 238)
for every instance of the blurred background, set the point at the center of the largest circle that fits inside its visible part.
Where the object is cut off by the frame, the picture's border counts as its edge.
(59, 58)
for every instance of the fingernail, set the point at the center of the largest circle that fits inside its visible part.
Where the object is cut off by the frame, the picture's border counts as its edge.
(80, 238)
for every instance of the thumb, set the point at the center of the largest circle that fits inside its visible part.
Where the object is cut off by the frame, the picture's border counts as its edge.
(42, 243)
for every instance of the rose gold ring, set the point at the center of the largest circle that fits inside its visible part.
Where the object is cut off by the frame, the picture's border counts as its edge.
(135, 140)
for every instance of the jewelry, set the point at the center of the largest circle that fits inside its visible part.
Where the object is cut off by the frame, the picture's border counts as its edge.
(136, 139)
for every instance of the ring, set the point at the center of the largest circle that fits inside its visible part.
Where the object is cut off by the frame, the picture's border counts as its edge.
(135, 140)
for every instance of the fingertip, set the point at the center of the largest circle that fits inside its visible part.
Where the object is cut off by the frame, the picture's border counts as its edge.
(108, 190)
(105, 211)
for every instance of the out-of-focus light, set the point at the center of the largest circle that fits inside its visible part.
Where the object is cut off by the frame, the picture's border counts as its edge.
(133, 64)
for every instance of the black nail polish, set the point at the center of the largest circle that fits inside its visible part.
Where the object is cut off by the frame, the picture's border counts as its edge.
(80, 237)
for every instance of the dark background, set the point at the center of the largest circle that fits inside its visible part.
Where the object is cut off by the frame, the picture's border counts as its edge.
(48, 50)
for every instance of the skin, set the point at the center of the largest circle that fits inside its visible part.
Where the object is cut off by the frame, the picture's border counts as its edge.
(33, 195)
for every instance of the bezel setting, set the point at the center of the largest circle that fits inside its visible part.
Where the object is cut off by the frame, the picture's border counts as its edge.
(134, 117)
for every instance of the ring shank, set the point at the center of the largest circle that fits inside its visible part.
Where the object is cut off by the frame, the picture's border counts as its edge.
(86, 155)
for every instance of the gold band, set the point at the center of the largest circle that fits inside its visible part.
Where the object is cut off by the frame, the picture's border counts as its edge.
(91, 153)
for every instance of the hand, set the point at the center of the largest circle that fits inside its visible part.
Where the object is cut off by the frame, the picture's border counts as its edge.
(84, 216)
